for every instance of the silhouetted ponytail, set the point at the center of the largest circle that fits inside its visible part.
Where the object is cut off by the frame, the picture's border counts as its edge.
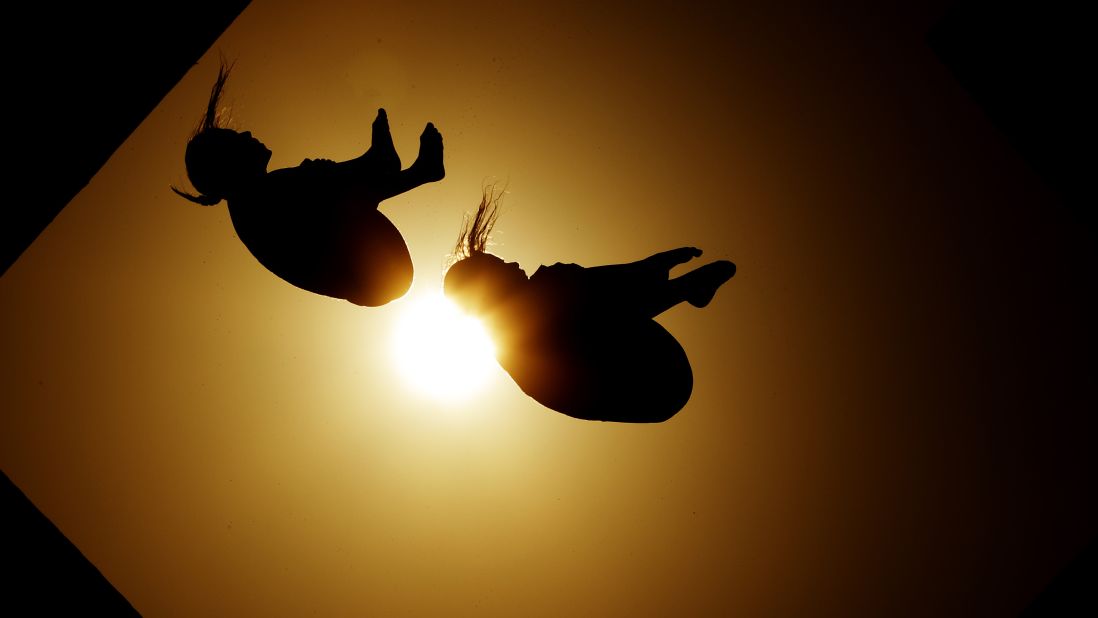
(212, 119)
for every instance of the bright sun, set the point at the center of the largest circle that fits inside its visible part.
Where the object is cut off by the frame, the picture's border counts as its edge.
(440, 351)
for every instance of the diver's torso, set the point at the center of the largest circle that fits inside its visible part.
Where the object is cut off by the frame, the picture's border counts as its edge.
(302, 224)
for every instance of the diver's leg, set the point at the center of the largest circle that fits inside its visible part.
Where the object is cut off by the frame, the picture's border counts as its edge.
(382, 147)
(427, 168)
(638, 288)
(698, 286)
(381, 159)
(667, 260)
(647, 272)
(428, 164)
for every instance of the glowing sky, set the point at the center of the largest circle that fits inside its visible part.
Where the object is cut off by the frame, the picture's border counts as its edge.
(863, 436)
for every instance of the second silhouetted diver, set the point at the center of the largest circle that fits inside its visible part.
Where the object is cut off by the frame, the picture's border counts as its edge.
(582, 341)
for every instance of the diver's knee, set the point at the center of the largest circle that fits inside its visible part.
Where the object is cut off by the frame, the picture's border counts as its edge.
(378, 295)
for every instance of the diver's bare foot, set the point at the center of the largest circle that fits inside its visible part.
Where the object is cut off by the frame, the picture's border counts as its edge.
(382, 144)
(702, 283)
(428, 164)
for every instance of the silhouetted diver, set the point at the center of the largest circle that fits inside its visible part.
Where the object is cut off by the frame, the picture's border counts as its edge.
(582, 341)
(315, 225)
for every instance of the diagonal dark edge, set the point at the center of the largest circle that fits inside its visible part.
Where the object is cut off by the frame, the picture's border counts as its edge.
(80, 80)
(1026, 65)
(47, 574)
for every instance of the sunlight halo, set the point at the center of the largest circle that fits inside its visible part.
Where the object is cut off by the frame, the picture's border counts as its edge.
(439, 351)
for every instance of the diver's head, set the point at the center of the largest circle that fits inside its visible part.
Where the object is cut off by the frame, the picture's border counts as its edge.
(481, 282)
(219, 160)
(477, 281)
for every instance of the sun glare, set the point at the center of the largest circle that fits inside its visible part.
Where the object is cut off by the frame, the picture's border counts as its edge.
(441, 352)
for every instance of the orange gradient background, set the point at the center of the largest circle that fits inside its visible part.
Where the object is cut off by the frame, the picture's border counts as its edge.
(889, 406)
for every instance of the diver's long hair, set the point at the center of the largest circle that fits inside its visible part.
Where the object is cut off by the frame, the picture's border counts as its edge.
(214, 118)
(464, 275)
(476, 230)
